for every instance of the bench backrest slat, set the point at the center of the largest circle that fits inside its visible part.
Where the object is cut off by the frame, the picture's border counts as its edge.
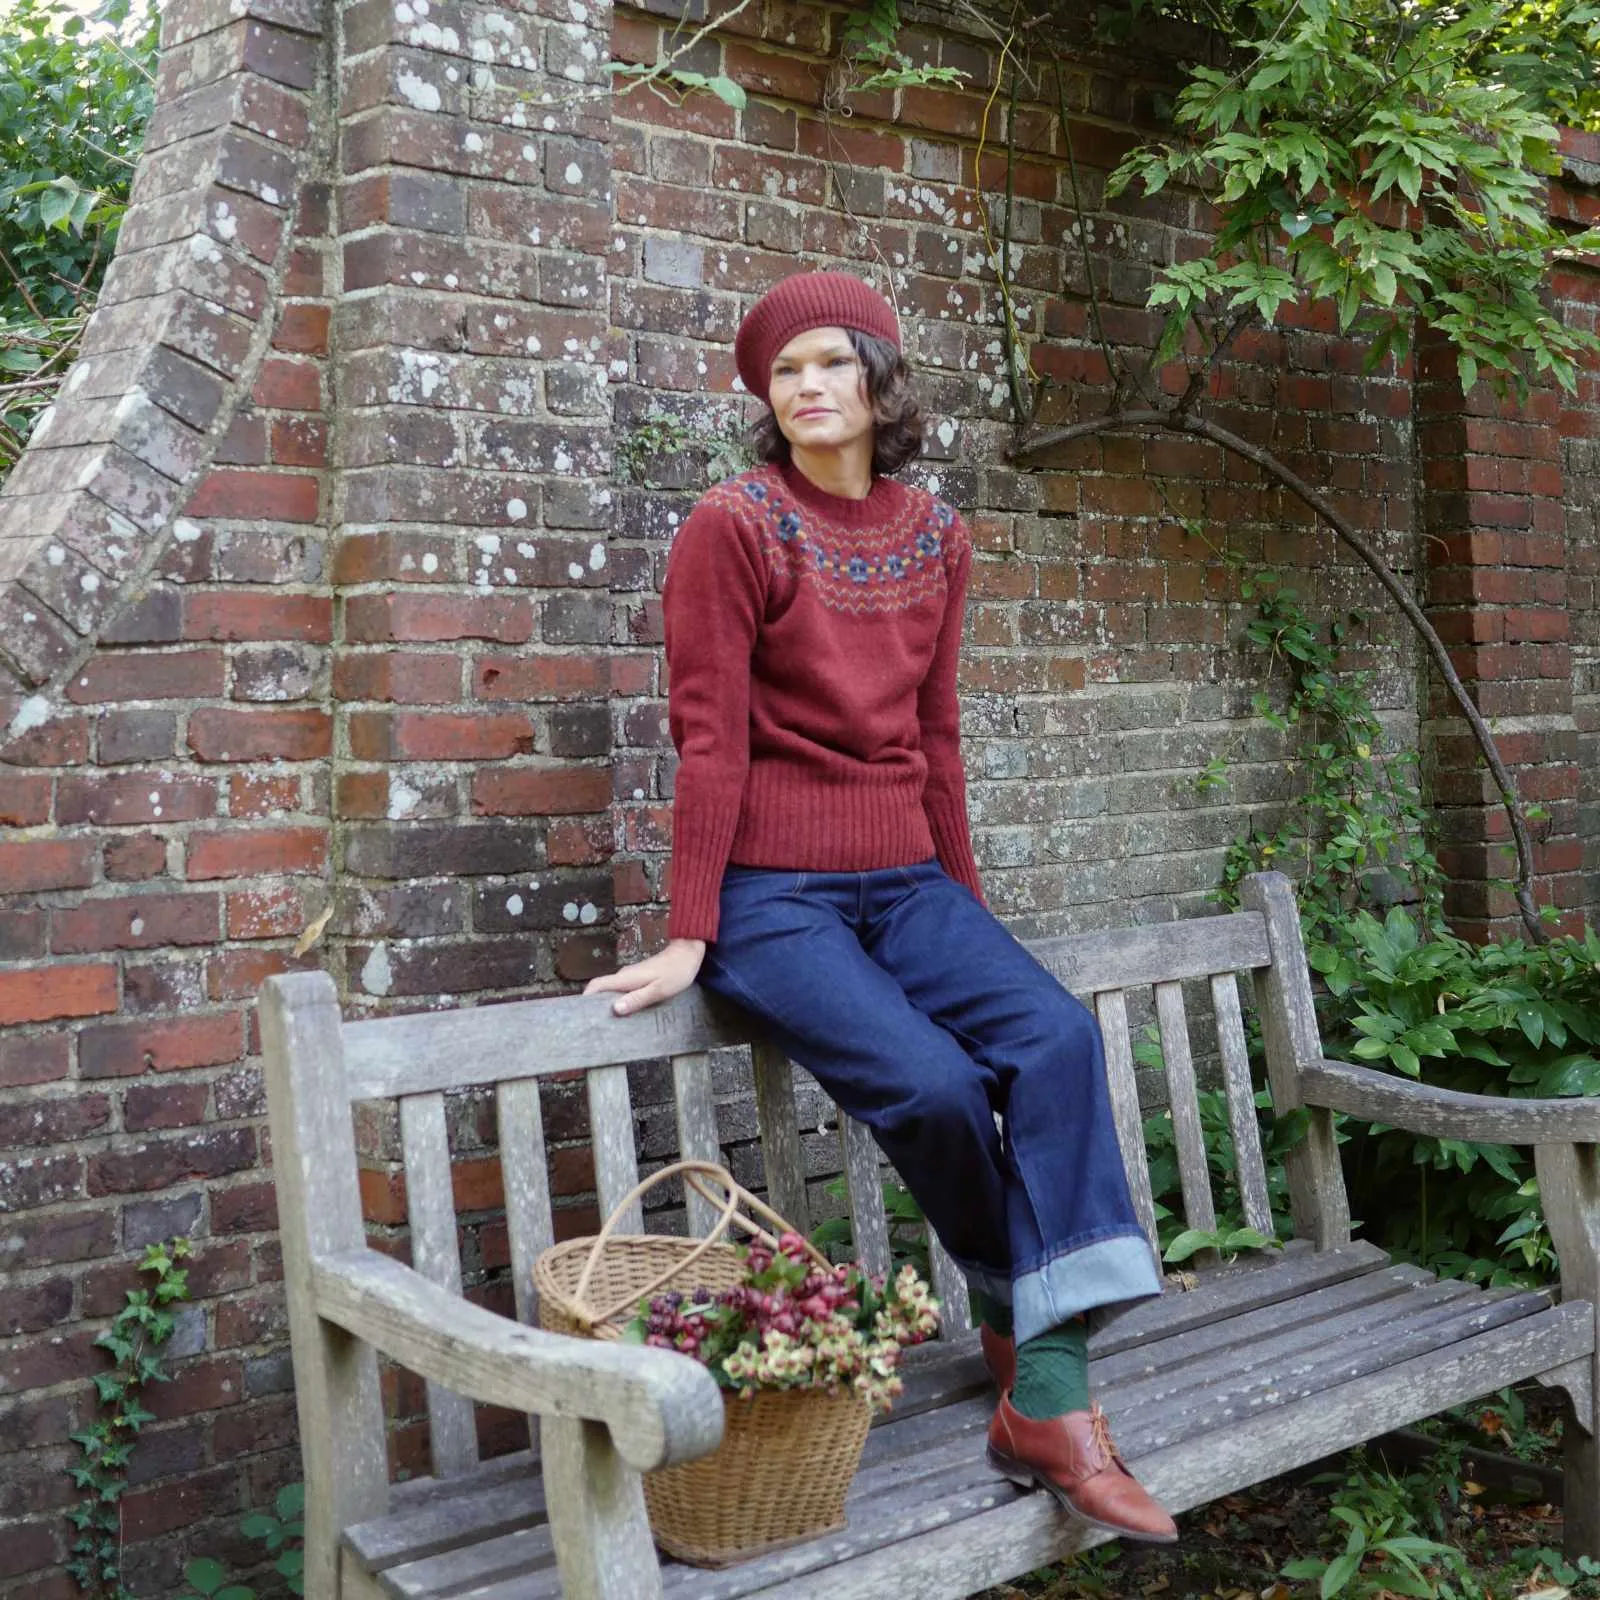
(863, 1173)
(1111, 1011)
(1249, 1164)
(1135, 958)
(430, 1208)
(616, 1162)
(423, 1050)
(781, 1155)
(1183, 1099)
(697, 1128)
(530, 1222)
(950, 1285)
(418, 1058)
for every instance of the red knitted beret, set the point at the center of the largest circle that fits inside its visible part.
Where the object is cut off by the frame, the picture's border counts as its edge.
(798, 304)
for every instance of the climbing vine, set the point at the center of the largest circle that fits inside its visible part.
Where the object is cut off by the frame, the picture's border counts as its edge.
(134, 1340)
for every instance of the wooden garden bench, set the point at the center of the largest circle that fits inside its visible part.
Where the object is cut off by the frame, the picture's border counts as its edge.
(1261, 1367)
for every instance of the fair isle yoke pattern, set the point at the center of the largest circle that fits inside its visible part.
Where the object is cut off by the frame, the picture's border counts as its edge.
(889, 567)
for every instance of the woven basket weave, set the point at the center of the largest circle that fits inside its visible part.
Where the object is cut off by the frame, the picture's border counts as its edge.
(787, 1456)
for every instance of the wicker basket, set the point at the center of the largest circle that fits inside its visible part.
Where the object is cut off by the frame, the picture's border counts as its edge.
(787, 1456)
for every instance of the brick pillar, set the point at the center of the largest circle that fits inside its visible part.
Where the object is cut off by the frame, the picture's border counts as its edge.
(1496, 579)
(473, 674)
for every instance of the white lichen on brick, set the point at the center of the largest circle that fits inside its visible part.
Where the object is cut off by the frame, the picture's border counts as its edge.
(376, 976)
(516, 510)
(417, 91)
(403, 798)
(34, 712)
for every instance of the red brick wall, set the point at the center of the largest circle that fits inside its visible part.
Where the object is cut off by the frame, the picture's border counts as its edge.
(390, 645)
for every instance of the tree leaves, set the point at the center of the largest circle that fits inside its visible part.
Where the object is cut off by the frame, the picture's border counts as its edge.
(1390, 161)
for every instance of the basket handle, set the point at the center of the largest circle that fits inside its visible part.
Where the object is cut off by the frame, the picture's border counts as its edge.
(694, 1175)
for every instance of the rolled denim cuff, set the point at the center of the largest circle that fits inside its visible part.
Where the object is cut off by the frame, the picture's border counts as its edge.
(1100, 1273)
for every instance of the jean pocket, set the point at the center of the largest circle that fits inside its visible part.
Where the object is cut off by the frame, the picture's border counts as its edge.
(921, 872)
(781, 880)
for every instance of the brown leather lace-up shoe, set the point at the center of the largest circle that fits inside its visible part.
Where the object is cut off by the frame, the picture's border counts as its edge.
(1073, 1456)
(1000, 1352)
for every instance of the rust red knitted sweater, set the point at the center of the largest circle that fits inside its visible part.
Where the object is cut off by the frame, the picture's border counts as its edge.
(811, 646)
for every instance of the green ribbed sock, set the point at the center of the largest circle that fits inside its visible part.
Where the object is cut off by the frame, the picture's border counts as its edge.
(994, 1314)
(1053, 1372)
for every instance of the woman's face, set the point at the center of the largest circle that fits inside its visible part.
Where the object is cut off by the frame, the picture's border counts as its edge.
(818, 391)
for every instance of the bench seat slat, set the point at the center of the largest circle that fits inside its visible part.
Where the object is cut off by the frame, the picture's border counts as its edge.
(920, 1470)
(1261, 1350)
(1028, 1531)
(1304, 1310)
(1276, 1277)
(1212, 1410)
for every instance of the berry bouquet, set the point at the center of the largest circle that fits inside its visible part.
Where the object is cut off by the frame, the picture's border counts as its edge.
(805, 1352)
(792, 1324)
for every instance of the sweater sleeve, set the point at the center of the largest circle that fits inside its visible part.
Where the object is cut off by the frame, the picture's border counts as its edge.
(944, 800)
(712, 601)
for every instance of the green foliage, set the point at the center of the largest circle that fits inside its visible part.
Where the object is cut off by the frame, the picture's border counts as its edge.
(1503, 1018)
(1356, 820)
(1400, 992)
(1393, 1533)
(74, 99)
(871, 35)
(908, 1228)
(662, 439)
(1390, 160)
(281, 1531)
(719, 84)
(134, 1340)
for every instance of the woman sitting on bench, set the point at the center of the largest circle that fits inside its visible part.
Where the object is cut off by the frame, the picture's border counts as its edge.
(823, 875)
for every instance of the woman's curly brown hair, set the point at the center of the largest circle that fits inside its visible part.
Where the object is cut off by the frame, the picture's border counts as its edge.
(896, 411)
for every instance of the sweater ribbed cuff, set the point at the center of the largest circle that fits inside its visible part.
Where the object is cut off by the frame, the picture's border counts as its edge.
(952, 839)
(702, 836)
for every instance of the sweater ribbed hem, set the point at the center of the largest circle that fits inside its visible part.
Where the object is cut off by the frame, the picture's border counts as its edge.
(789, 819)
(952, 839)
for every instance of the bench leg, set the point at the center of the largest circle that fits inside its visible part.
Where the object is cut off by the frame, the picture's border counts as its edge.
(597, 1515)
(1569, 1192)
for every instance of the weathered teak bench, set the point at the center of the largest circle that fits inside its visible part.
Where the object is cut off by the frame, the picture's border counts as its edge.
(1258, 1369)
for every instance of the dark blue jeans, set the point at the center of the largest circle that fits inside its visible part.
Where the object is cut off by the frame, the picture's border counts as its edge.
(923, 1017)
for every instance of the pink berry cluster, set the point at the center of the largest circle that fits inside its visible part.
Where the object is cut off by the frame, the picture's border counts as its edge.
(791, 1323)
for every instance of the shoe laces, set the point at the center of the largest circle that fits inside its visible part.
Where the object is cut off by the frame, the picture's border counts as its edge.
(1100, 1434)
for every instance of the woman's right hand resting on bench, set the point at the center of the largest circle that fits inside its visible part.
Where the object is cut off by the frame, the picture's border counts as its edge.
(649, 982)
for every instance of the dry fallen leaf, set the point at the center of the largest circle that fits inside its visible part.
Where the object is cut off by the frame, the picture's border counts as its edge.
(312, 932)
(1277, 1592)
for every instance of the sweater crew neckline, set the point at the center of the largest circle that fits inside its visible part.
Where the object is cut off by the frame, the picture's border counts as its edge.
(885, 498)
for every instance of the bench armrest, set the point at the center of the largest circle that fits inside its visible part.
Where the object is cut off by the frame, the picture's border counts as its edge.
(660, 1407)
(1445, 1113)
